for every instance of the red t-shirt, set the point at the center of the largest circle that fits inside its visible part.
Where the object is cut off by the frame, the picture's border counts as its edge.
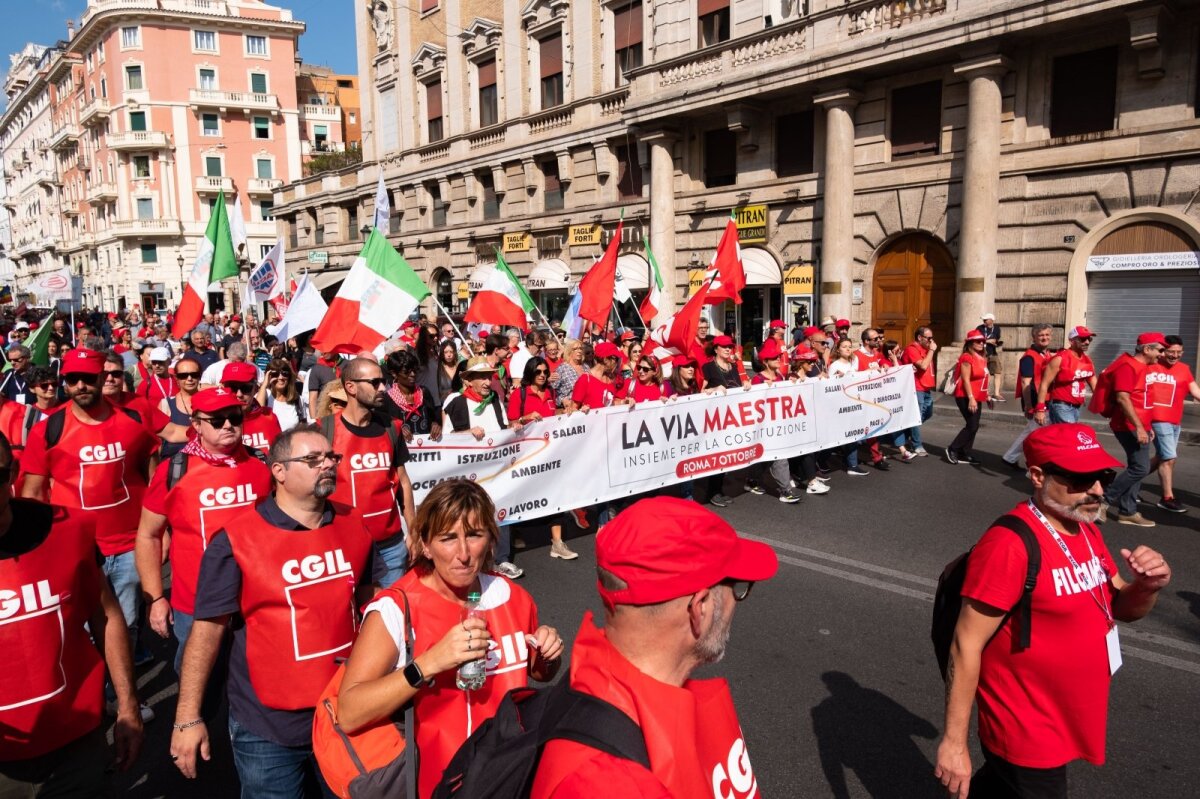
(1047, 705)
(864, 361)
(533, 403)
(592, 392)
(1129, 375)
(98, 467)
(979, 376)
(926, 379)
(1074, 372)
(1167, 390)
(260, 429)
(641, 392)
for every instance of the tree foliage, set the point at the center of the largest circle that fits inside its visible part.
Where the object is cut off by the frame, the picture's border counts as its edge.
(333, 161)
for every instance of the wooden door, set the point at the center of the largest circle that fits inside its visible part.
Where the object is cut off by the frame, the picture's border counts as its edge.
(913, 287)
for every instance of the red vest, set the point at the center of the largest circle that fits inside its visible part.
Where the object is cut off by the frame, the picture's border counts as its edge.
(298, 602)
(366, 479)
(446, 716)
(51, 686)
(260, 429)
(1040, 359)
(1071, 380)
(692, 733)
(199, 505)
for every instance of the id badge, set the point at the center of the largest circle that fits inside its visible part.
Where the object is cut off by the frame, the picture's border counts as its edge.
(1112, 639)
(21, 398)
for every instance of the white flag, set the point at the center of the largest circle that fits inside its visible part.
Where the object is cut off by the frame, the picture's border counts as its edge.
(383, 207)
(237, 226)
(266, 279)
(53, 286)
(305, 312)
(620, 290)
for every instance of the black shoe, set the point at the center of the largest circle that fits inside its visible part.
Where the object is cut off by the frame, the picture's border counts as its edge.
(720, 500)
(881, 465)
(951, 457)
(754, 488)
(969, 460)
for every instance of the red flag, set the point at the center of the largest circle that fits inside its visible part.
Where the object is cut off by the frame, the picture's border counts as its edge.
(280, 302)
(727, 275)
(679, 333)
(598, 284)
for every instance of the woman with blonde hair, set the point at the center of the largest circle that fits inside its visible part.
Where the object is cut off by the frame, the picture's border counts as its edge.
(451, 545)
(281, 393)
(331, 400)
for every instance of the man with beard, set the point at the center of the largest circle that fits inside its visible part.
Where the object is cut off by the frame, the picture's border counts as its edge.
(295, 548)
(1045, 705)
(371, 477)
(670, 574)
(1060, 392)
(1029, 379)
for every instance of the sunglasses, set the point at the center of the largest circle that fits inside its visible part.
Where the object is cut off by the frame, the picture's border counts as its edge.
(72, 378)
(220, 420)
(741, 588)
(1080, 482)
(375, 382)
(187, 375)
(541, 371)
(241, 388)
(1086, 339)
(315, 459)
(644, 368)
(113, 374)
(46, 385)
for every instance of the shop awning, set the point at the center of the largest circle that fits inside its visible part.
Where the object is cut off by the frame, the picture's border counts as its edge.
(328, 277)
(761, 267)
(480, 275)
(551, 273)
(635, 271)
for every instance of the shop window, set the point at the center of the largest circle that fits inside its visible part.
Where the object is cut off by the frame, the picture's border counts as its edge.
(629, 172)
(489, 106)
(1083, 93)
(551, 64)
(627, 39)
(552, 187)
(794, 144)
(714, 21)
(433, 108)
(720, 158)
(916, 119)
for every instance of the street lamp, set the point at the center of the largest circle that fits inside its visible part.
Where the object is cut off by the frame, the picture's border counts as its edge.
(182, 276)
(365, 231)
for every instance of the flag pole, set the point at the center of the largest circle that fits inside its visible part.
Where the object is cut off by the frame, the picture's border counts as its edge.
(450, 319)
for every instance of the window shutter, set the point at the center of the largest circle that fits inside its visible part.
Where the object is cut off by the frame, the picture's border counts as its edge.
(706, 7)
(627, 26)
(487, 73)
(551, 56)
(433, 99)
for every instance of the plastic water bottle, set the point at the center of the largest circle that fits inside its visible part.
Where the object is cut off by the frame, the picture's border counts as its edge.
(472, 674)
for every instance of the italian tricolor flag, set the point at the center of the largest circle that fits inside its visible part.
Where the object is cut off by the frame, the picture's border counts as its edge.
(502, 300)
(215, 261)
(380, 292)
(655, 298)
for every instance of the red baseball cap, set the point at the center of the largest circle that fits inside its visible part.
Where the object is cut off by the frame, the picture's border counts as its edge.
(664, 548)
(628, 335)
(211, 400)
(1079, 332)
(811, 331)
(680, 361)
(842, 323)
(239, 372)
(975, 335)
(723, 341)
(82, 362)
(804, 353)
(778, 323)
(1153, 337)
(1069, 446)
(606, 349)
(769, 349)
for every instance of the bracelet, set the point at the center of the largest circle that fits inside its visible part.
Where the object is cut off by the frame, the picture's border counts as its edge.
(188, 724)
(152, 601)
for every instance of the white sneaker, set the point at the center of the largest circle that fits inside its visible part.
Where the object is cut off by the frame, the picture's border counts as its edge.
(816, 487)
(147, 713)
(822, 479)
(558, 549)
(921, 453)
(509, 570)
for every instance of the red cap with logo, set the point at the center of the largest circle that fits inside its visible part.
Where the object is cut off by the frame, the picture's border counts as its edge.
(1079, 332)
(769, 349)
(1069, 446)
(212, 400)
(1153, 337)
(723, 341)
(239, 372)
(664, 548)
(82, 362)
(628, 335)
(606, 349)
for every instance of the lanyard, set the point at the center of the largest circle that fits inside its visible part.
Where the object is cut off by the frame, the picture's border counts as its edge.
(1071, 559)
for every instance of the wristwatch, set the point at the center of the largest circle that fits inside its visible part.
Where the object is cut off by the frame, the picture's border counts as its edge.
(412, 673)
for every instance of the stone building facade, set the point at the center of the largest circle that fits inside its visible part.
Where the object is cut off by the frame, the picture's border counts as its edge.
(897, 163)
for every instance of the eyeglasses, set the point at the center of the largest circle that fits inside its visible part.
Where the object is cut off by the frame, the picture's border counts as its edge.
(220, 420)
(741, 588)
(72, 378)
(46, 385)
(375, 382)
(117, 374)
(187, 375)
(1077, 482)
(643, 368)
(241, 388)
(315, 459)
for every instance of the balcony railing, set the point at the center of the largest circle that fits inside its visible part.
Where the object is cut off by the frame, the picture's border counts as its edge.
(47, 177)
(64, 137)
(892, 14)
(146, 227)
(101, 193)
(138, 140)
(329, 113)
(211, 185)
(265, 186)
(214, 8)
(96, 110)
(245, 101)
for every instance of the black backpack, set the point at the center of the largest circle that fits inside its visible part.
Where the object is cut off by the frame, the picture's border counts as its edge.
(500, 758)
(179, 465)
(57, 420)
(947, 601)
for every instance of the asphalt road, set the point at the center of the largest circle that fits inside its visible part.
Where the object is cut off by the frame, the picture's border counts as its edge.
(830, 663)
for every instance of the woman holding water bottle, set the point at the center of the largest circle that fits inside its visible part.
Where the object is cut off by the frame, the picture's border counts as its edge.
(463, 616)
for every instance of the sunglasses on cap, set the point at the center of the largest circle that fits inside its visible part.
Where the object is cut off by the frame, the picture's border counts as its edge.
(219, 420)
(1079, 482)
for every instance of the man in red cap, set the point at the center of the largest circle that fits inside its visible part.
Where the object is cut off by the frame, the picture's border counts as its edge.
(771, 353)
(1044, 705)
(260, 427)
(1060, 393)
(198, 489)
(777, 332)
(597, 388)
(1131, 424)
(842, 328)
(92, 455)
(670, 574)
(1169, 383)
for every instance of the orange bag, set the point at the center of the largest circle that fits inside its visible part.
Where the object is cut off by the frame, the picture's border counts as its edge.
(374, 762)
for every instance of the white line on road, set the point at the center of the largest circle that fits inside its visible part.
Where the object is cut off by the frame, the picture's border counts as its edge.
(1127, 631)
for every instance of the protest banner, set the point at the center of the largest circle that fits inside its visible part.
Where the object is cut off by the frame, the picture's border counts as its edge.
(576, 460)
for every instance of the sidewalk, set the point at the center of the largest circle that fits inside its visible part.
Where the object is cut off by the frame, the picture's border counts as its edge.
(1010, 413)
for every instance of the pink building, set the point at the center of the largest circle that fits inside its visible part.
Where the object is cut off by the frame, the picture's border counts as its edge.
(158, 105)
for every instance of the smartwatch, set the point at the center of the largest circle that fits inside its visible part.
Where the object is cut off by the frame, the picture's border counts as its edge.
(412, 673)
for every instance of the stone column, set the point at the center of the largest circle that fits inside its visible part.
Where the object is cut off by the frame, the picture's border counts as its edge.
(837, 222)
(977, 260)
(662, 212)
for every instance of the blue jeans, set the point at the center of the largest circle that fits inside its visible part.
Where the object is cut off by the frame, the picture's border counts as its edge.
(925, 403)
(394, 552)
(504, 545)
(1063, 412)
(122, 575)
(269, 770)
(1123, 491)
(182, 626)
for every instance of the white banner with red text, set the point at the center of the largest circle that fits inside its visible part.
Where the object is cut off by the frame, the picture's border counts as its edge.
(577, 460)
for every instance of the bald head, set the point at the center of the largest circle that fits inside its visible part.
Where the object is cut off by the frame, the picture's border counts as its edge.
(360, 368)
